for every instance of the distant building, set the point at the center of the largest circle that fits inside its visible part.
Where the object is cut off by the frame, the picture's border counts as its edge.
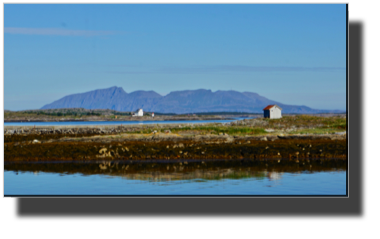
(153, 114)
(139, 112)
(272, 112)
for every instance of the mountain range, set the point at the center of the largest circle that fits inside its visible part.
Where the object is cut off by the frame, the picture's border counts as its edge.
(179, 102)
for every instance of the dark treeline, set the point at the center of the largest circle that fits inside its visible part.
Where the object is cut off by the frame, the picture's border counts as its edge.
(68, 113)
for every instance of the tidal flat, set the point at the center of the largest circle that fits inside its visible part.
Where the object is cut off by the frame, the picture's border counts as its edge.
(299, 138)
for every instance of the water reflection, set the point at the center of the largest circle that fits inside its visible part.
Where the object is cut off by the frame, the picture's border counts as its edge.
(274, 175)
(271, 170)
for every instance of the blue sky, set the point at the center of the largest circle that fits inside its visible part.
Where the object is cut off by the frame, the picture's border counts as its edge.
(294, 54)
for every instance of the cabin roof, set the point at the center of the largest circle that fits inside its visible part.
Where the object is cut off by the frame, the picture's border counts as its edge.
(270, 106)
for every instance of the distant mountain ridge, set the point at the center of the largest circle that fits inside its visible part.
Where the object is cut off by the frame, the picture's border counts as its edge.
(179, 102)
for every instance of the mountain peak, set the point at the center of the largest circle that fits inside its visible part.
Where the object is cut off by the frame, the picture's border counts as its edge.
(186, 101)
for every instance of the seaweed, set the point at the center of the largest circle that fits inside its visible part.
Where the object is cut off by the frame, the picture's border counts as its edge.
(294, 149)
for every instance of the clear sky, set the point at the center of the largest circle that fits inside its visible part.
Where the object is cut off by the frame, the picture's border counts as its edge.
(294, 54)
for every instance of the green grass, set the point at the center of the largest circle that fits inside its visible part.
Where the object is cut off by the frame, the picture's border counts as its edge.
(222, 129)
(315, 131)
(334, 122)
(309, 125)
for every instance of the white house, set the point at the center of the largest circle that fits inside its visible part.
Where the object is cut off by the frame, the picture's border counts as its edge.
(139, 112)
(153, 114)
(272, 112)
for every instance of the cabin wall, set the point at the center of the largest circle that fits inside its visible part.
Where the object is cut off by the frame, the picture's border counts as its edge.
(275, 113)
(266, 114)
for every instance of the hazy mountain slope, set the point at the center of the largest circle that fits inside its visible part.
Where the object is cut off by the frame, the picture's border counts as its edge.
(114, 98)
(139, 99)
(206, 101)
(96, 99)
(187, 101)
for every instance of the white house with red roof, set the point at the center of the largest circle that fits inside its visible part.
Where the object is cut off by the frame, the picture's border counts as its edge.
(272, 112)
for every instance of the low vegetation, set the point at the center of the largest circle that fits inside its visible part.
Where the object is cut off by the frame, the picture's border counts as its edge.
(309, 121)
(52, 113)
(234, 130)
(298, 124)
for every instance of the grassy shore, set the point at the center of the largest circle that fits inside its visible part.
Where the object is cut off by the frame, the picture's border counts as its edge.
(298, 124)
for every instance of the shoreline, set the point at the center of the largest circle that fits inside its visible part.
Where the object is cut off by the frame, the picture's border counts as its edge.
(257, 139)
(122, 119)
(175, 148)
(147, 133)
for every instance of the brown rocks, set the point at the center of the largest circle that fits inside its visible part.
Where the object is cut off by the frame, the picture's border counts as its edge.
(36, 141)
(103, 150)
(74, 149)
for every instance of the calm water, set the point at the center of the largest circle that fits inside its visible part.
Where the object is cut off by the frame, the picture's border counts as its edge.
(163, 179)
(118, 122)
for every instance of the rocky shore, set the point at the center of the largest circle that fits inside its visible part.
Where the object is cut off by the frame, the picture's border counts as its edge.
(168, 146)
(65, 133)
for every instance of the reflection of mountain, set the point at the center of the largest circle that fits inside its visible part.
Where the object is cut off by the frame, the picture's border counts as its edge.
(164, 171)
